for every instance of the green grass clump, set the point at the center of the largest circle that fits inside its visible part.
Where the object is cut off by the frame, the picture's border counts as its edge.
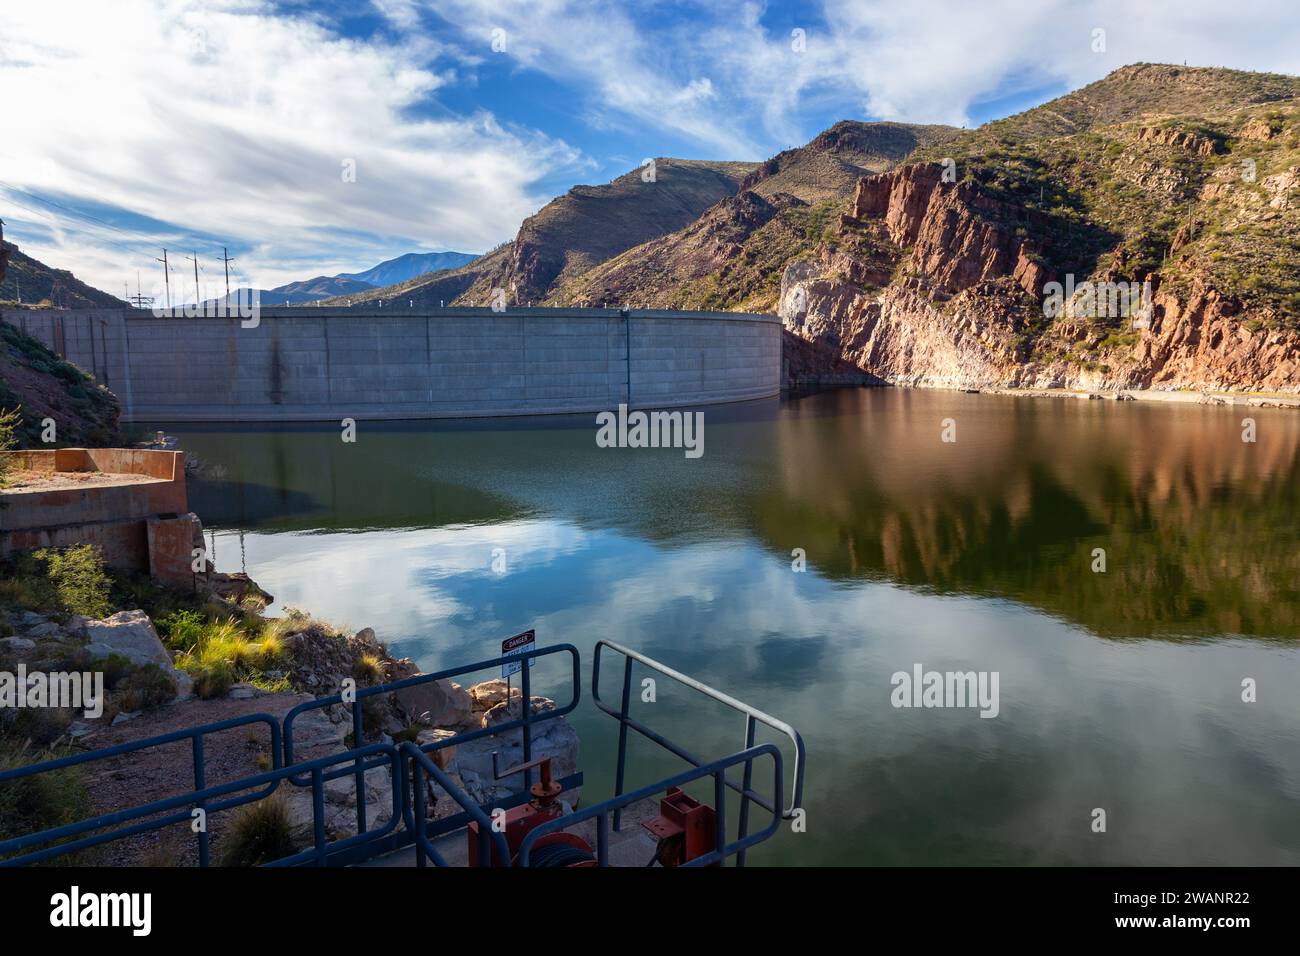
(220, 653)
(259, 833)
(145, 688)
(43, 801)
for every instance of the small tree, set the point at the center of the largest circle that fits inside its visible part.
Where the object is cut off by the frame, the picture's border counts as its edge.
(78, 576)
(9, 422)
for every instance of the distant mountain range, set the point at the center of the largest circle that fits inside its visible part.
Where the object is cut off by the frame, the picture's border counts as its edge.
(31, 282)
(404, 268)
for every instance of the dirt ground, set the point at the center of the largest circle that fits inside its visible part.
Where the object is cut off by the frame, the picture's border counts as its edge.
(160, 772)
(59, 480)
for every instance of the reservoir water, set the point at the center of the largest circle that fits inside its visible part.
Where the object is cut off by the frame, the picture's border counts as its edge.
(1118, 689)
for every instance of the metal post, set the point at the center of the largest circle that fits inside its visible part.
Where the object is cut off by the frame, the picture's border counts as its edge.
(199, 785)
(418, 777)
(622, 740)
(359, 775)
(720, 813)
(318, 814)
(746, 780)
(526, 702)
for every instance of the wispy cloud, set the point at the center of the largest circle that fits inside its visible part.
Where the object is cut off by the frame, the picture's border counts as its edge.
(232, 120)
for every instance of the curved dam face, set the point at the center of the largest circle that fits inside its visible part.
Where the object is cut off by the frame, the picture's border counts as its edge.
(326, 364)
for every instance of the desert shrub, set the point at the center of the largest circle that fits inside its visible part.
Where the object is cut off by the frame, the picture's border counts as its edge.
(368, 669)
(212, 681)
(38, 726)
(115, 668)
(9, 422)
(40, 802)
(145, 688)
(79, 579)
(26, 586)
(182, 630)
(259, 833)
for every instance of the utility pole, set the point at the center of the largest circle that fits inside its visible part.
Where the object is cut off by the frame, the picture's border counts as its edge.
(225, 258)
(198, 299)
(139, 300)
(4, 253)
(167, 279)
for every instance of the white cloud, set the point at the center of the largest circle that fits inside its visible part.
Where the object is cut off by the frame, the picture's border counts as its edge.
(227, 119)
(720, 75)
(232, 118)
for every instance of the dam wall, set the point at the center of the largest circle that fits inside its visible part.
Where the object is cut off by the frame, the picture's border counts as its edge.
(326, 364)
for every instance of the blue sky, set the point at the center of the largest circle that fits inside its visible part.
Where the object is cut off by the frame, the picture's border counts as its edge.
(193, 125)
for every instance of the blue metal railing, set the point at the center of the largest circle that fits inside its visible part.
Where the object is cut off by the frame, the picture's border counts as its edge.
(715, 769)
(753, 717)
(197, 799)
(421, 764)
(410, 768)
(525, 722)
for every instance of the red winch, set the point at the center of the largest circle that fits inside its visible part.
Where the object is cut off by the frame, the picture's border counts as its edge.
(553, 850)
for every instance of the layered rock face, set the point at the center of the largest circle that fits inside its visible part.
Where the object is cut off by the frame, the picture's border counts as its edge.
(937, 284)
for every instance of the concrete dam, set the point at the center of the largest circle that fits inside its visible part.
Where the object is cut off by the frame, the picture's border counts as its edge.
(326, 364)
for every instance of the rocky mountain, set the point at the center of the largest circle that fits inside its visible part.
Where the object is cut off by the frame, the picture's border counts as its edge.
(29, 281)
(734, 254)
(579, 230)
(1143, 232)
(321, 287)
(42, 385)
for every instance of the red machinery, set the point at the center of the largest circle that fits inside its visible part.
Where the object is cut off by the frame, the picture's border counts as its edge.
(685, 828)
(554, 849)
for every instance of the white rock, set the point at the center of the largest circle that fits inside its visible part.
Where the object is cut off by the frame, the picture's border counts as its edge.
(314, 728)
(130, 634)
(124, 715)
(439, 703)
(491, 692)
(242, 692)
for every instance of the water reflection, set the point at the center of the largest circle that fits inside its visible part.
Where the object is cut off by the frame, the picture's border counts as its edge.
(970, 555)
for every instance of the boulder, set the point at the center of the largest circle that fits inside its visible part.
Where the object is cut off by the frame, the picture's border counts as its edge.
(554, 738)
(129, 634)
(340, 805)
(444, 757)
(439, 703)
(503, 712)
(17, 644)
(492, 692)
(315, 728)
(47, 629)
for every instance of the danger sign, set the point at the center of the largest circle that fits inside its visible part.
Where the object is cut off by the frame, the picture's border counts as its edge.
(517, 645)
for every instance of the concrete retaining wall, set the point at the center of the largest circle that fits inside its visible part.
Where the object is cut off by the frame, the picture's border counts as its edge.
(141, 520)
(316, 364)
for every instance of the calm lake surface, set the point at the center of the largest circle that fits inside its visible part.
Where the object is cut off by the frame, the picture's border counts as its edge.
(1119, 690)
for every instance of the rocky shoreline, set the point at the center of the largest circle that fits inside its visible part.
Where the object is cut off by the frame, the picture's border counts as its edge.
(314, 661)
